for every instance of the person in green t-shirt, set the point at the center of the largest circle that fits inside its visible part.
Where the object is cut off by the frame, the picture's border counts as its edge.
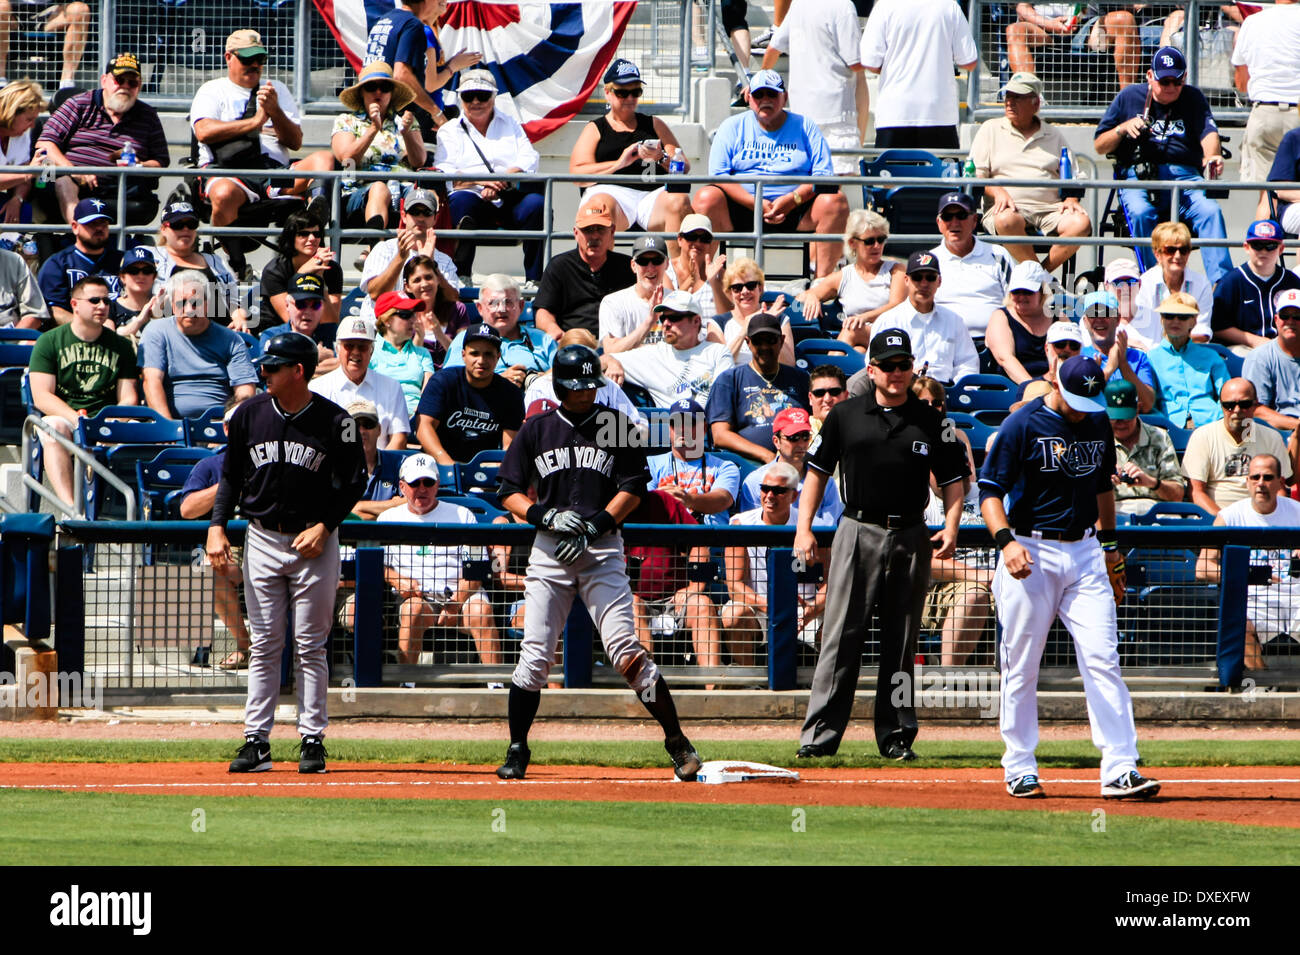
(77, 370)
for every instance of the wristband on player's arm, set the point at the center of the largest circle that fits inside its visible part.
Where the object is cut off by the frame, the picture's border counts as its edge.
(602, 522)
(1003, 537)
(1109, 542)
(537, 514)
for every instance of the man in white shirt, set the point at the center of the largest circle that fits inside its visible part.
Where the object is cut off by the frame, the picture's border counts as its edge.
(827, 81)
(975, 274)
(940, 340)
(242, 122)
(430, 581)
(353, 379)
(683, 363)
(415, 236)
(1265, 69)
(1272, 608)
(913, 45)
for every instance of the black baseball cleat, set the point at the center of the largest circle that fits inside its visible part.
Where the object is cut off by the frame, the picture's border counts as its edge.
(812, 751)
(311, 758)
(686, 762)
(1026, 787)
(253, 757)
(516, 763)
(1131, 785)
(899, 751)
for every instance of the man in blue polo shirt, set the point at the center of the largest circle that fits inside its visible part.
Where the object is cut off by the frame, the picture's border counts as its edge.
(90, 254)
(1107, 344)
(1163, 129)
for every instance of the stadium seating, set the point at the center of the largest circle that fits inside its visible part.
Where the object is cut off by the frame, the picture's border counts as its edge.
(479, 476)
(206, 428)
(909, 209)
(119, 436)
(1230, 358)
(828, 351)
(159, 480)
(15, 353)
(390, 466)
(1174, 514)
(484, 511)
(981, 392)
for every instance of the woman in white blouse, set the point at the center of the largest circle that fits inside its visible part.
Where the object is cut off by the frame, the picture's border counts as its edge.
(20, 103)
(867, 288)
(745, 283)
(480, 145)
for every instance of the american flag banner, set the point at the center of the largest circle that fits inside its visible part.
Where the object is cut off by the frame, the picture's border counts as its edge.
(546, 57)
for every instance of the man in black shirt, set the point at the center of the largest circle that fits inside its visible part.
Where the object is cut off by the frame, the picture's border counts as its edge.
(469, 408)
(575, 282)
(294, 464)
(886, 443)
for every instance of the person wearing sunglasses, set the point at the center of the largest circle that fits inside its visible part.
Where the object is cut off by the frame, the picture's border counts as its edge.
(306, 305)
(975, 273)
(1275, 368)
(1172, 244)
(416, 235)
(626, 319)
(1017, 332)
(698, 266)
(376, 134)
(75, 371)
(1245, 299)
(301, 249)
(1189, 375)
(744, 616)
(482, 143)
(745, 284)
(626, 142)
(768, 140)
(136, 304)
(91, 253)
(1273, 605)
(792, 435)
(1121, 279)
(1217, 457)
(397, 354)
(1107, 343)
(90, 129)
(867, 287)
(524, 350)
(938, 336)
(886, 443)
(1163, 129)
(177, 247)
(827, 387)
(1020, 145)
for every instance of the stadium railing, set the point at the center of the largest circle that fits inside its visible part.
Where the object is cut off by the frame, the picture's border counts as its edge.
(135, 600)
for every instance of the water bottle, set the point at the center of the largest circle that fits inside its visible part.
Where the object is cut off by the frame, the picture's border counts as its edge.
(677, 167)
(968, 169)
(128, 155)
(1067, 163)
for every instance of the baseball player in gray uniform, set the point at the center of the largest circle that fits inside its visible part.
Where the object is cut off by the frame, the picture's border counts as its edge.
(295, 465)
(585, 488)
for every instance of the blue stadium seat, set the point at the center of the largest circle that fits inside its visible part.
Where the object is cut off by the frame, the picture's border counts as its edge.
(206, 428)
(479, 476)
(745, 465)
(15, 354)
(483, 510)
(350, 306)
(977, 432)
(827, 351)
(253, 343)
(139, 434)
(9, 333)
(12, 407)
(1234, 361)
(158, 478)
(909, 209)
(639, 396)
(978, 392)
(1174, 514)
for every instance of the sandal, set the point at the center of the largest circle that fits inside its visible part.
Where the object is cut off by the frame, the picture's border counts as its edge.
(237, 660)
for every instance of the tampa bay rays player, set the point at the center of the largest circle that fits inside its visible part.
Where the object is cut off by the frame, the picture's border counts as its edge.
(589, 477)
(1051, 462)
(295, 465)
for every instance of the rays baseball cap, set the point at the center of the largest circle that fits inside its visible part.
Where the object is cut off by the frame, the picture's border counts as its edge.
(1121, 400)
(792, 421)
(622, 71)
(90, 210)
(482, 332)
(418, 466)
(245, 43)
(678, 300)
(1025, 84)
(685, 405)
(1264, 230)
(649, 244)
(922, 262)
(767, 80)
(1120, 270)
(1168, 63)
(1082, 381)
(356, 329)
(306, 288)
(178, 211)
(1064, 332)
(955, 199)
(123, 64)
(891, 343)
(420, 198)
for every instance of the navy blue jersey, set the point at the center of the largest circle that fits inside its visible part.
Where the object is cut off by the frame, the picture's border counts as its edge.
(291, 469)
(1176, 130)
(575, 465)
(396, 38)
(1243, 300)
(1050, 470)
(470, 419)
(67, 267)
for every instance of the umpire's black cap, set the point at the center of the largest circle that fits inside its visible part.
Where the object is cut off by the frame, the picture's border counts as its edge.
(289, 348)
(576, 367)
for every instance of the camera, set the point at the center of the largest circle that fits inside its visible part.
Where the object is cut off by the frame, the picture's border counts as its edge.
(1128, 479)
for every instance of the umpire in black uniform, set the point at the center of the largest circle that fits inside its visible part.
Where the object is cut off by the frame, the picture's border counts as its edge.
(885, 442)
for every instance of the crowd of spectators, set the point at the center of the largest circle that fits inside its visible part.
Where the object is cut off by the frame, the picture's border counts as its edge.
(684, 325)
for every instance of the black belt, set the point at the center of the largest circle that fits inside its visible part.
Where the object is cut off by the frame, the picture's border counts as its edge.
(1057, 535)
(890, 522)
(285, 527)
(1287, 105)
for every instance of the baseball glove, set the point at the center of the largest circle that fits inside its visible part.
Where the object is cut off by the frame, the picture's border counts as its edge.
(1118, 578)
(570, 548)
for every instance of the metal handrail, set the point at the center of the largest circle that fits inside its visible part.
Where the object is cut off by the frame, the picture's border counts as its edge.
(33, 422)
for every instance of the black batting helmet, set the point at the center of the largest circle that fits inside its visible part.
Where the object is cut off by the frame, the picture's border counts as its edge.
(576, 368)
(289, 348)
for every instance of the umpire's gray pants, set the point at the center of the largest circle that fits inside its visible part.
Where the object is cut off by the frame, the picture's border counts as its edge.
(276, 578)
(871, 569)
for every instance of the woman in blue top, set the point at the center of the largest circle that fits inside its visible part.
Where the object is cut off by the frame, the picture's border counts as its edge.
(396, 353)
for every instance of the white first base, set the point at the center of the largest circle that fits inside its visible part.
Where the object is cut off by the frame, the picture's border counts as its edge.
(718, 771)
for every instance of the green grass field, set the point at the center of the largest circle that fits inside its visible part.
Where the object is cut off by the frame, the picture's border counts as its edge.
(115, 829)
(938, 754)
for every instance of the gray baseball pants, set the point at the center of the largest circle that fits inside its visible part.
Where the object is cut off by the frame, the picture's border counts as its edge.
(276, 578)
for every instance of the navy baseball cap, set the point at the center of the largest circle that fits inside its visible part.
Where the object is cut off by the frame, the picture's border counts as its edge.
(90, 210)
(891, 343)
(1264, 230)
(179, 211)
(306, 288)
(649, 243)
(955, 199)
(482, 331)
(1168, 63)
(684, 405)
(1082, 381)
(1121, 400)
(922, 262)
(137, 255)
(622, 71)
